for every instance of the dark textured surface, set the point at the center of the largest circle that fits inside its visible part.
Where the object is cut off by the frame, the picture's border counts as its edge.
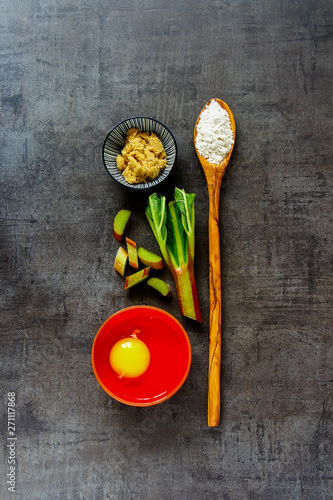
(69, 72)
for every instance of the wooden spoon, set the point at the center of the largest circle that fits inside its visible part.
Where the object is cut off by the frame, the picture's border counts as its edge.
(214, 174)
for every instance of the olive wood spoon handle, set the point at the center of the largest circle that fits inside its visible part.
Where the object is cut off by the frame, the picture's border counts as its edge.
(214, 174)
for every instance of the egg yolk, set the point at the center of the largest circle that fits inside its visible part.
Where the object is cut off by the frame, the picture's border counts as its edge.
(129, 357)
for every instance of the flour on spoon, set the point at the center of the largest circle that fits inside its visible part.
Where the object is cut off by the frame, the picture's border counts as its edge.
(214, 138)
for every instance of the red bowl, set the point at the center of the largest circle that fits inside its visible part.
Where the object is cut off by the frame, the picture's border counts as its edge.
(170, 352)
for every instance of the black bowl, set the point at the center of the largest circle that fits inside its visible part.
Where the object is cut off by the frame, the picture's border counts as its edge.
(115, 141)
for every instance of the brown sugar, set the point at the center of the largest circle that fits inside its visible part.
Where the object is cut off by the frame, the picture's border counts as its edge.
(143, 157)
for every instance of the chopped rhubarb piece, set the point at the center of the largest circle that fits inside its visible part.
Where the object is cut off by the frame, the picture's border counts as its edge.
(150, 259)
(132, 253)
(136, 278)
(160, 286)
(120, 261)
(120, 223)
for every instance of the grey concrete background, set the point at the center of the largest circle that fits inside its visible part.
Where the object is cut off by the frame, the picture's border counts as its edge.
(69, 72)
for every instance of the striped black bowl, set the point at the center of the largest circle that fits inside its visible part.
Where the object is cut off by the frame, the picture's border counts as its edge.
(115, 141)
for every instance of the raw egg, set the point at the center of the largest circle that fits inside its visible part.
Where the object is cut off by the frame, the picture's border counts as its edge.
(129, 357)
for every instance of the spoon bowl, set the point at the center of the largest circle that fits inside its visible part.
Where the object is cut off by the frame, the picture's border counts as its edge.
(206, 165)
(214, 173)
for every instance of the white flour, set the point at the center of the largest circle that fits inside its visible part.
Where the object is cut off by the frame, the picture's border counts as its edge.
(214, 134)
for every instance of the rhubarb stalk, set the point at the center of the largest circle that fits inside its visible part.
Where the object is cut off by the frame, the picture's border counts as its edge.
(173, 226)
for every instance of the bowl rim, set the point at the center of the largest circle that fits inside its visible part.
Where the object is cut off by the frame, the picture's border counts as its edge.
(179, 385)
(142, 186)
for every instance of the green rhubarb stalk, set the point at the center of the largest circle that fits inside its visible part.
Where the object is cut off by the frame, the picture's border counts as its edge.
(156, 215)
(173, 226)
